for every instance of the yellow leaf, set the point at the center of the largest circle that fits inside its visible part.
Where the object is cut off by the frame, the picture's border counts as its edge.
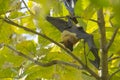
(55, 49)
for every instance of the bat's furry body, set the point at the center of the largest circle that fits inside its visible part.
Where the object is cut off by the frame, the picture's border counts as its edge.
(69, 39)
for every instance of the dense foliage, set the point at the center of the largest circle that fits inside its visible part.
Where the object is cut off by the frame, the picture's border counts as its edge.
(27, 51)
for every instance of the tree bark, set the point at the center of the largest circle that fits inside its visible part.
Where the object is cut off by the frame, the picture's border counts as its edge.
(103, 51)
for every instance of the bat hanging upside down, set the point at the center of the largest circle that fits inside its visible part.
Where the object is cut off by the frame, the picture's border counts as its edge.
(71, 34)
(69, 39)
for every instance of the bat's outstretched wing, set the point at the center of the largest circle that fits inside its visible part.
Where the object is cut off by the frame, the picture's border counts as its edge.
(62, 25)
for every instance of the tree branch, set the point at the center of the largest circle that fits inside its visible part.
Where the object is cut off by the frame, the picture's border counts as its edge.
(101, 24)
(78, 17)
(113, 58)
(112, 38)
(89, 19)
(21, 17)
(44, 36)
(27, 7)
(113, 74)
(104, 55)
(54, 62)
(111, 16)
(114, 34)
(85, 55)
(14, 9)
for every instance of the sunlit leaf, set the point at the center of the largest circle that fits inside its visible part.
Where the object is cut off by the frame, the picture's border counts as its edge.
(37, 72)
(58, 56)
(41, 49)
(89, 11)
(79, 10)
(5, 33)
(4, 6)
(27, 47)
(100, 3)
(15, 14)
(28, 22)
(55, 49)
(6, 73)
(9, 57)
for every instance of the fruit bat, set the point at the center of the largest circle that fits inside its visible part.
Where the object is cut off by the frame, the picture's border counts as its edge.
(71, 35)
(69, 39)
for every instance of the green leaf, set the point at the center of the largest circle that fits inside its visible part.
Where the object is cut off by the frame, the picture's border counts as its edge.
(28, 22)
(27, 47)
(15, 14)
(100, 3)
(68, 73)
(4, 6)
(5, 33)
(116, 8)
(78, 7)
(37, 72)
(6, 73)
(87, 77)
(9, 56)
(49, 30)
(89, 11)
(91, 27)
(46, 5)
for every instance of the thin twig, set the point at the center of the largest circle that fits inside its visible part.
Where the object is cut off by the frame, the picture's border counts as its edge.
(89, 19)
(21, 17)
(85, 53)
(93, 20)
(27, 7)
(54, 62)
(14, 9)
(113, 74)
(110, 20)
(111, 59)
(79, 17)
(112, 38)
(114, 34)
(44, 36)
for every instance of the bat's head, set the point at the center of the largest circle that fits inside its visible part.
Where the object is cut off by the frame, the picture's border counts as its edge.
(68, 45)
